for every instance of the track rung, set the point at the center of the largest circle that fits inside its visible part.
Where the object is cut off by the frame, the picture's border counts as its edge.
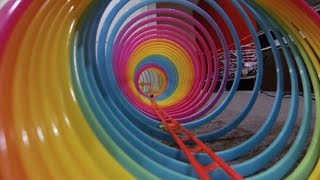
(185, 138)
(177, 131)
(196, 149)
(211, 166)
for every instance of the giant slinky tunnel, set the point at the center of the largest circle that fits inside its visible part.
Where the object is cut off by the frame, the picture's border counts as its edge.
(76, 78)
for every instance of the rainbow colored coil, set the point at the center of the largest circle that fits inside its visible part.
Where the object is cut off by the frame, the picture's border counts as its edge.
(72, 108)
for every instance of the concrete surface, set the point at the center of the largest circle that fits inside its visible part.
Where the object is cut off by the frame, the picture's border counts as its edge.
(252, 123)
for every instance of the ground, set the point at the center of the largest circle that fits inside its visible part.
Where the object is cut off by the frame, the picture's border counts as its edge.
(252, 123)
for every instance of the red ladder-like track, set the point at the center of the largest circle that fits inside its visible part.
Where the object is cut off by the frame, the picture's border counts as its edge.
(181, 135)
